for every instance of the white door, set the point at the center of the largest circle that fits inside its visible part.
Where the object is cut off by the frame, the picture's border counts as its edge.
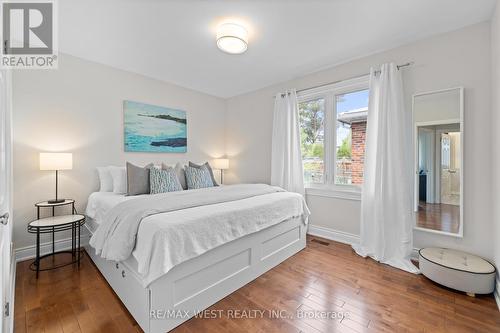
(450, 168)
(426, 161)
(6, 278)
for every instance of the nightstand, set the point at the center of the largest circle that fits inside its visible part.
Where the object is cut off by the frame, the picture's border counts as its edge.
(53, 224)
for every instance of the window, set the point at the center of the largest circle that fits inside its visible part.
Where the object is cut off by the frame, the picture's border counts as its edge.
(333, 127)
(352, 111)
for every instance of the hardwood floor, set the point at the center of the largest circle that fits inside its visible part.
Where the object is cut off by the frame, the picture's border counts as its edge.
(440, 217)
(326, 276)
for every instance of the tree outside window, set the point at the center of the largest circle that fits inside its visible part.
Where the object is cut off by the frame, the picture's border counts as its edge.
(312, 118)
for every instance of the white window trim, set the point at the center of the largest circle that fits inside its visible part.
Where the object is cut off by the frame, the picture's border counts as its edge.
(329, 92)
(322, 190)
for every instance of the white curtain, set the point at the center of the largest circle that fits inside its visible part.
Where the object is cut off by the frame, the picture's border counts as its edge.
(286, 159)
(386, 201)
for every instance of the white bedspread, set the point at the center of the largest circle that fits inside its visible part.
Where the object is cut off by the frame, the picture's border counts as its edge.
(178, 226)
(100, 203)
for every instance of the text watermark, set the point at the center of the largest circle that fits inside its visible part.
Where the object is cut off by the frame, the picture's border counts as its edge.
(248, 314)
(29, 34)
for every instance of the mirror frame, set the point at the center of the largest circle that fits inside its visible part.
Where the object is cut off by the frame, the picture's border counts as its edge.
(415, 125)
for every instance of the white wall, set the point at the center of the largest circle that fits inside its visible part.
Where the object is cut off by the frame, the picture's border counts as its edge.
(78, 108)
(437, 107)
(495, 57)
(459, 58)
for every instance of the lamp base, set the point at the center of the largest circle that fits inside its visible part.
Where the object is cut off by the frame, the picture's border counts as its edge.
(54, 201)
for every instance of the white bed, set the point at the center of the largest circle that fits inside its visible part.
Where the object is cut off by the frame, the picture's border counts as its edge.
(161, 292)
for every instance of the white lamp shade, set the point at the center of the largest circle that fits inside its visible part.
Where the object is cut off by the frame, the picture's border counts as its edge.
(221, 164)
(56, 161)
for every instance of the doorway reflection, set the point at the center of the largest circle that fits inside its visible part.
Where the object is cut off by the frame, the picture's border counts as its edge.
(439, 177)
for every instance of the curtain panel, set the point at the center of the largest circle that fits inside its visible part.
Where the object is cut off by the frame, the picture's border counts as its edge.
(386, 200)
(286, 157)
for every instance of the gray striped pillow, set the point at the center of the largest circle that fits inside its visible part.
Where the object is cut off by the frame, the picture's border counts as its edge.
(198, 177)
(163, 180)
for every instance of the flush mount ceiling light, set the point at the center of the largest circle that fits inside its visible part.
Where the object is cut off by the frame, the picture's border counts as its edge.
(232, 38)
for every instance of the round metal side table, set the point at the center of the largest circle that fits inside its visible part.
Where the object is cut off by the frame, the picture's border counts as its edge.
(51, 225)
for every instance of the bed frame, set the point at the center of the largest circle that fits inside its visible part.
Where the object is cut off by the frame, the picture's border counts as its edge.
(198, 283)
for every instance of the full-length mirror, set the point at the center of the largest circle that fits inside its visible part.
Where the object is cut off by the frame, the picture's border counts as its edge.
(438, 139)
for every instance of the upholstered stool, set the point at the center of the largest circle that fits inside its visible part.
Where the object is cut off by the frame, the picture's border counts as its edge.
(457, 270)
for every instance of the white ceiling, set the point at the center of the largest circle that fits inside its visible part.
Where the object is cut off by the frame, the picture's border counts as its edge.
(174, 41)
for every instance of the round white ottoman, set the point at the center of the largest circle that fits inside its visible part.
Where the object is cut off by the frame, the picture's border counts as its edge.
(457, 270)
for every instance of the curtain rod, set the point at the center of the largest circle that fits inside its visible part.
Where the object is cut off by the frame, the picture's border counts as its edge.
(351, 78)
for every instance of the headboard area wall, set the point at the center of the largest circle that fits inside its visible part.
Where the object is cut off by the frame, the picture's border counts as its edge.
(78, 108)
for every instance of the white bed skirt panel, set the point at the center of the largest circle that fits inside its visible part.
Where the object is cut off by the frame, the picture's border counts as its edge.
(198, 283)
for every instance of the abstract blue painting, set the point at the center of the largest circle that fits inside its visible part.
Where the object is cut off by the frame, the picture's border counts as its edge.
(154, 129)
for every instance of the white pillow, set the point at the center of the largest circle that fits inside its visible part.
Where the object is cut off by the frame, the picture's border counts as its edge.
(179, 170)
(119, 175)
(105, 179)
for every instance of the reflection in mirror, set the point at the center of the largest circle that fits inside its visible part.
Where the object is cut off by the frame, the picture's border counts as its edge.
(438, 161)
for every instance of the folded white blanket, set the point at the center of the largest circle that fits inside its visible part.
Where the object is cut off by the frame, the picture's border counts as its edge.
(115, 238)
(168, 239)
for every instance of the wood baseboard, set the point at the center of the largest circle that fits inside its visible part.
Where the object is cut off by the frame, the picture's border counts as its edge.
(343, 237)
(332, 234)
(496, 293)
(11, 299)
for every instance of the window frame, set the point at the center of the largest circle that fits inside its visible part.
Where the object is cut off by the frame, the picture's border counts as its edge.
(330, 92)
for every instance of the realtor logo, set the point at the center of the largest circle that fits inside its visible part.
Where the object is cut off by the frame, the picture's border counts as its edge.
(29, 35)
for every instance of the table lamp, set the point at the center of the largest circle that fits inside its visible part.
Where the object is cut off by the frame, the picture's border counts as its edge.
(221, 164)
(56, 162)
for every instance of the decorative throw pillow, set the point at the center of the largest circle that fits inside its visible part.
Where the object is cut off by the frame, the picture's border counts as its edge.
(209, 168)
(179, 171)
(138, 179)
(119, 175)
(105, 179)
(163, 180)
(198, 177)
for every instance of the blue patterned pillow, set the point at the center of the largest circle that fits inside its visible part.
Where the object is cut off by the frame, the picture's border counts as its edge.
(198, 178)
(163, 180)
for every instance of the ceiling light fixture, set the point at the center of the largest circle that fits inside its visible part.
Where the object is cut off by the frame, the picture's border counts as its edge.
(232, 38)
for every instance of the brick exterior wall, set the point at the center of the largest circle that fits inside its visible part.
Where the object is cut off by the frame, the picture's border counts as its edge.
(358, 133)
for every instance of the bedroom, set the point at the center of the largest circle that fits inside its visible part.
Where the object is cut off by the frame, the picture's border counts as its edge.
(378, 119)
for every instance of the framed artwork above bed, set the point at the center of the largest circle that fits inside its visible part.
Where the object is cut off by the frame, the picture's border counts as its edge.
(154, 129)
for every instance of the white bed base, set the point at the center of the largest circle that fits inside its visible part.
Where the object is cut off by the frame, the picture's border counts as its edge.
(200, 282)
